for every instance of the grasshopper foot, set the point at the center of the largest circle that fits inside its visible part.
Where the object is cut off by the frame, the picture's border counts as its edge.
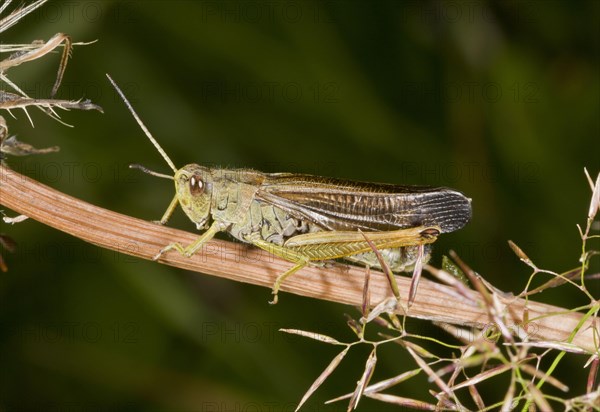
(175, 246)
(275, 299)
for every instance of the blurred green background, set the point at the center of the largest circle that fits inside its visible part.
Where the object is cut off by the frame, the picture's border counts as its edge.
(498, 99)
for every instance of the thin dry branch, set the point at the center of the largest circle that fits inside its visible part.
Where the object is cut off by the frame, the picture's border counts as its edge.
(238, 262)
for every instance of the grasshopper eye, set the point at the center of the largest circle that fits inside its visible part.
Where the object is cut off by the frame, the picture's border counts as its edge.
(196, 185)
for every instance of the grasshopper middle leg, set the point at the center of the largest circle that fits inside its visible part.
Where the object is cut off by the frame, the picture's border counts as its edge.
(288, 254)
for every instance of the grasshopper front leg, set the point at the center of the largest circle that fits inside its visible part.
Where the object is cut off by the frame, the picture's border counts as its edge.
(167, 215)
(193, 247)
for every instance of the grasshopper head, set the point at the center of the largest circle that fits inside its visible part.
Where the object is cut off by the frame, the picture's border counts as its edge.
(193, 185)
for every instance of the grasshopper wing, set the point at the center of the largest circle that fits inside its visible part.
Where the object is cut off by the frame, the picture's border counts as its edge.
(336, 204)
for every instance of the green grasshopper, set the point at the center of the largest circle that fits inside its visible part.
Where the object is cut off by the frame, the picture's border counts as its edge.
(304, 219)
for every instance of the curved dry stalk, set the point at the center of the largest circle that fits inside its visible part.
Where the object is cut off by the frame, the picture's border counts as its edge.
(241, 263)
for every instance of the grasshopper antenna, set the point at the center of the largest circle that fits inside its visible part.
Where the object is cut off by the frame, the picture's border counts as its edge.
(150, 172)
(148, 134)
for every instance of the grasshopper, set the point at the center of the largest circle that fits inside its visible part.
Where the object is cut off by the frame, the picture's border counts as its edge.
(305, 219)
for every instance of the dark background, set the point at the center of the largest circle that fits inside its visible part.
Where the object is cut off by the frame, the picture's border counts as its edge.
(498, 99)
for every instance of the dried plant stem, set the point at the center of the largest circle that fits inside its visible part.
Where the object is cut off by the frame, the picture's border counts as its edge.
(238, 262)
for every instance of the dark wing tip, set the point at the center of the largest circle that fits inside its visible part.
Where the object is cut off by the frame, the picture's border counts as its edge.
(448, 209)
